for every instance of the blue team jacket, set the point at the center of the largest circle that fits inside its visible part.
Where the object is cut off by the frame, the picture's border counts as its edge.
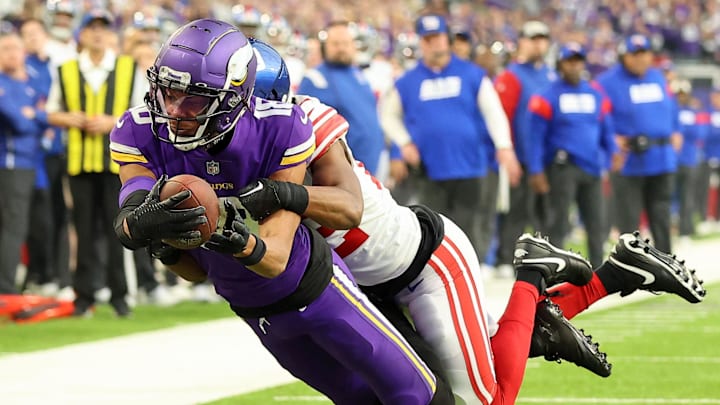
(712, 142)
(693, 126)
(440, 111)
(346, 89)
(574, 119)
(19, 136)
(642, 106)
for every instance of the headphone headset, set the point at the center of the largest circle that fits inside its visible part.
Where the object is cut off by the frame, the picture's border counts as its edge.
(322, 37)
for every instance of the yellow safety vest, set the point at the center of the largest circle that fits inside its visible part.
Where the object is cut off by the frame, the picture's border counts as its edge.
(90, 153)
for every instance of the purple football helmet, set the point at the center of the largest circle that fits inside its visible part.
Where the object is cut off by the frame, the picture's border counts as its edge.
(201, 83)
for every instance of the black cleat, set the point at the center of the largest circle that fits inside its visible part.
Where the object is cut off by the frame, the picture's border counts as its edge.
(555, 338)
(557, 265)
(644, 267)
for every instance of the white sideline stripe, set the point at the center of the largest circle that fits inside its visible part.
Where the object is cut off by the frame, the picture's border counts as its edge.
(207, 361)
(617, 401)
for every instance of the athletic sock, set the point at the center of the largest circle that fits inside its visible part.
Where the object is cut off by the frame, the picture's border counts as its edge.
(532, 277)
(573, 299)
(611, 277)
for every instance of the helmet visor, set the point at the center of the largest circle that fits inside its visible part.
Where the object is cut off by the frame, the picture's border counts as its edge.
(179, 104)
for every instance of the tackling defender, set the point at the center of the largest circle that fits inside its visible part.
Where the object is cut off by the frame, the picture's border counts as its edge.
(279, 275)
(420, 259)
(382, 251)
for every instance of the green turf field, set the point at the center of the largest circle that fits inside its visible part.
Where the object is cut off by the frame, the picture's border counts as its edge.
(15, 338)
(663, 350)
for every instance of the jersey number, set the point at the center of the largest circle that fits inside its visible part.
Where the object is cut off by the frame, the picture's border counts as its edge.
(269, 108)
(140, 115)
(351, 241)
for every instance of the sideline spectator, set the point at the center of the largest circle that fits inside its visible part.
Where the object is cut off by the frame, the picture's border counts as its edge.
(89, 113)
(646, 122)
(438, 114)
(22, 121)
(522, 78)
(693, 128)
(712, 160)
(571, 137)
(339, 83)
(47, 244)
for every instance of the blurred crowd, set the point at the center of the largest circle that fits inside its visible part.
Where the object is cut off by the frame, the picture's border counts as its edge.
(680, 28)
(387, 43)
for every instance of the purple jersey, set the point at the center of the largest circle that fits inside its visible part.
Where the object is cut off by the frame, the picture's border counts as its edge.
(273, 137)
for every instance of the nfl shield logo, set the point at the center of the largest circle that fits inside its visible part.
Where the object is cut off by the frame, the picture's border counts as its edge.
(212, 167)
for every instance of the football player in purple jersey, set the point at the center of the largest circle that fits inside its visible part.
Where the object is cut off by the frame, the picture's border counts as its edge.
(281, 277)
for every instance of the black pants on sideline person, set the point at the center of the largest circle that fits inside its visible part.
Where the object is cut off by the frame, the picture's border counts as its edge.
(459, 201)
(568, 184)
(41, 264)
(56, 167)
(686, 182)
(16, 187)
(95, 205)
(487, 206)
(512, 224)
(654, 194)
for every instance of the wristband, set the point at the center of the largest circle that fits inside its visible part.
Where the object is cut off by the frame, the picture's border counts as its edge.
(256, 255)
(298, 200)
(134, 200)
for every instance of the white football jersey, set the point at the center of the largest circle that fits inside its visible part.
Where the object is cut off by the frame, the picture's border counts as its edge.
(446, 299)
(385, 243)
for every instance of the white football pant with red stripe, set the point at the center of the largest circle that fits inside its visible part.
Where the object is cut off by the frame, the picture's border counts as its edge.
(447, 305)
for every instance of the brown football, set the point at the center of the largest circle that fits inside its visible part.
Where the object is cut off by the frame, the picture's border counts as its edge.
(202, 194)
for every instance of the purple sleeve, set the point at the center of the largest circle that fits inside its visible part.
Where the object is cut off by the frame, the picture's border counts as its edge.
(134, 184)
(131, 140)
(299, 143)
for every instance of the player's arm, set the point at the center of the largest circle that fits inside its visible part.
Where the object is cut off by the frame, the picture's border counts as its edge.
(335, 198)
(177, 261)
(268, 251)
(137, 182)
(278, 230)
(143, 217)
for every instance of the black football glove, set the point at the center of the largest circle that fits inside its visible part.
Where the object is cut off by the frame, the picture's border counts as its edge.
(264, 197)
(235, 234)
(167, 254)
(155, 219)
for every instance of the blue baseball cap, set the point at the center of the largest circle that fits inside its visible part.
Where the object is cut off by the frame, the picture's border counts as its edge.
(635, 43)
(571, 50)
(97, 14)
(431, 24)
